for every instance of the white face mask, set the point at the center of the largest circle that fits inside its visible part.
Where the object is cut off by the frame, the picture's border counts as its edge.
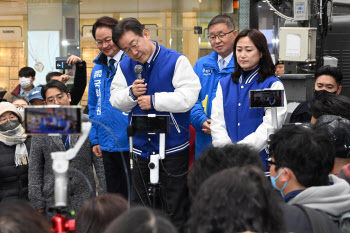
(25, 82)
(21, 111)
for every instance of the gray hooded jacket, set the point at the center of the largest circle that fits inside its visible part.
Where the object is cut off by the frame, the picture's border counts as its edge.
(332, 199)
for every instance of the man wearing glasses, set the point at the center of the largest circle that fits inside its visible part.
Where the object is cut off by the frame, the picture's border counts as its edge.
(168, 86)
(41, 180)
(300, 164)
(210, 69)
(102, 111)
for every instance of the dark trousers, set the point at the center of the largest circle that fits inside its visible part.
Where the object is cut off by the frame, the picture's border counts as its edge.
(172, 197)
(115, 171)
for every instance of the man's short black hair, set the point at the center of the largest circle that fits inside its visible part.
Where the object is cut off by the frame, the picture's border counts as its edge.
(146, 219)
(238, 199)
(125, 25)
(26, 72)
(223, 19)
(338, 130)
(338, 105)
(53, 84)
(331, 71)
(104, 21)
(219, 158)
(52, 74)
(306, 152)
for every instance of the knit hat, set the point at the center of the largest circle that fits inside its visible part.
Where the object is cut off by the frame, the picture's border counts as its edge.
(6, 106)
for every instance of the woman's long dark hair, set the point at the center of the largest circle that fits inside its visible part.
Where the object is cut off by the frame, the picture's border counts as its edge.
(267, 68)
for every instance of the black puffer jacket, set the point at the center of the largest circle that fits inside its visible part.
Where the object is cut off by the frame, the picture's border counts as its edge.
(13, 180)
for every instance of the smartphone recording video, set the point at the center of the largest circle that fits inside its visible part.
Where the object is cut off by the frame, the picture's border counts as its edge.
(61, 63)
(52, 120)
(147, 124)
(266, 98)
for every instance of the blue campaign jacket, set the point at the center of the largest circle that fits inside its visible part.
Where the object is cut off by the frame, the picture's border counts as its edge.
(158, 76)
(102, 111)
(209, 75)
(241, 120)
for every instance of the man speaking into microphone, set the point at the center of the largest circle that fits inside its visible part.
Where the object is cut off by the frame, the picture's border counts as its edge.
(167, 86)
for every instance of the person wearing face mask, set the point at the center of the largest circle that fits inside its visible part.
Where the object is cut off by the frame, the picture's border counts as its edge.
(20, 102)
(14, 151)
(26, 79)
(328, 82)
(301, 161)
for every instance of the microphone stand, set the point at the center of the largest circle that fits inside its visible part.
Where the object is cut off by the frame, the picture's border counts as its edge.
(131, 133)
(153, 165)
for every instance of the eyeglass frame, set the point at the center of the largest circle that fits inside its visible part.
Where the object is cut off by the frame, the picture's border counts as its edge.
(132, 46)
(57, 98)
(269, 162)
(104, 42)
(220, 36)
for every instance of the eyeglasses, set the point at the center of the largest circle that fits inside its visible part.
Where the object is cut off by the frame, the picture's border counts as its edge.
(133, 45)
(58, 98)
(269, 162)
(10, 117)
(220, 36)
(105, 42)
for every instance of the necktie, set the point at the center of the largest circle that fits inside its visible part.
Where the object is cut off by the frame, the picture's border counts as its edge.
(65, 140)
(111, 65)
(221, 64)
(146, 66)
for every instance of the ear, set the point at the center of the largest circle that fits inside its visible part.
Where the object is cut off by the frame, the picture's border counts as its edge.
(68, 95)
(146, 34)
(261, 55)
(235, 33)
(33, 78)
(339, 89)
(286, 175)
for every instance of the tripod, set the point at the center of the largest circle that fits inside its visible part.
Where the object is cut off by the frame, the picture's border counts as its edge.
(151, 124)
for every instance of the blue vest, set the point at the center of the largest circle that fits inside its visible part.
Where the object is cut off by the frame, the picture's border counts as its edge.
(241, 120)
(158, 75)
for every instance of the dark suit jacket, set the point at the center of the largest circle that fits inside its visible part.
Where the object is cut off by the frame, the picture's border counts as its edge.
(41, 177)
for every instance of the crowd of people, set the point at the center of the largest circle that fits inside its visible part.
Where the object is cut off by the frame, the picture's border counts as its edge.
(298, 182)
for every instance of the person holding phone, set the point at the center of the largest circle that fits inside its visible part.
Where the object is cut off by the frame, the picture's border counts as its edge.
(232, 119)
(80, 78)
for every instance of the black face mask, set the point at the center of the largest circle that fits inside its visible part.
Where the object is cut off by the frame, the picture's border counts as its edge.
(323, 93)
(9, 125)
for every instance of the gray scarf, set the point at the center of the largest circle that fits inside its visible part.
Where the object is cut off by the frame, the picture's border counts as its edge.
(16, 137)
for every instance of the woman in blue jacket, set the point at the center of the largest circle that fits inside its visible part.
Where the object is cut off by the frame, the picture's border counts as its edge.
(232, 119)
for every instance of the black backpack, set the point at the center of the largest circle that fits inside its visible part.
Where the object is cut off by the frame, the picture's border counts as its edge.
(344, 222)
(320, 222)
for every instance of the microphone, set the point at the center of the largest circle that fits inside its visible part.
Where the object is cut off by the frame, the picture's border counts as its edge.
(138, 70)
(130, 133)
